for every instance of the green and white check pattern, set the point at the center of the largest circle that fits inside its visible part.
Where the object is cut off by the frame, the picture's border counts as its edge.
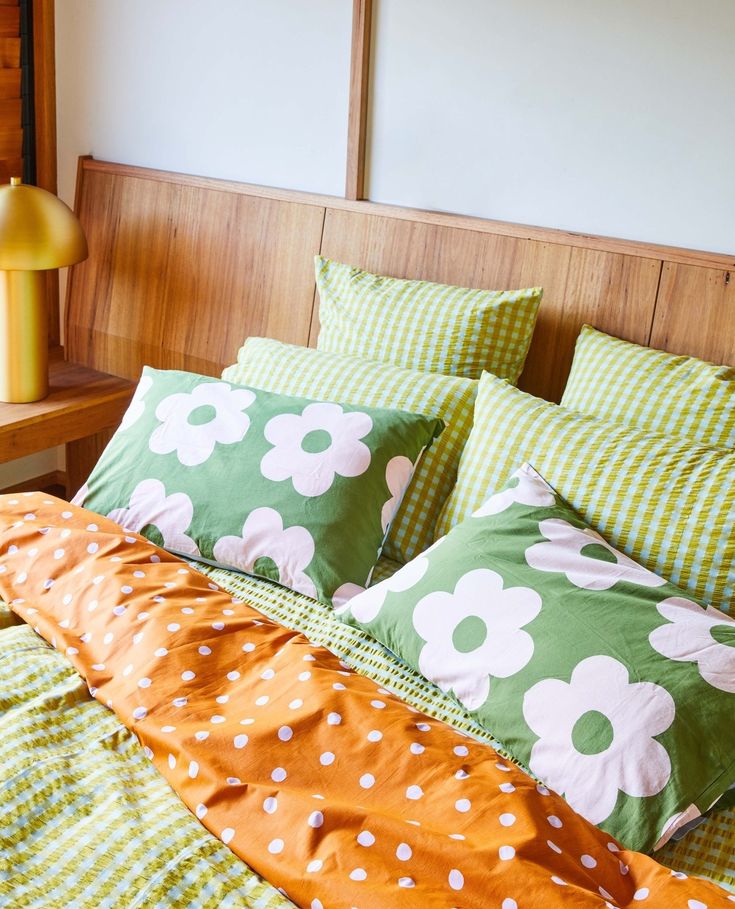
(656, 391)
(88, 820)
(668, 505)
(440, 328)
(288, 369)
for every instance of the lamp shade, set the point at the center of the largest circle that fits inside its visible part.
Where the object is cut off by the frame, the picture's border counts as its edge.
(37, 230)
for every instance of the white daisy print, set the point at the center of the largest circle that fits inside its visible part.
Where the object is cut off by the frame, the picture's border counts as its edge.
(565, 553)
(366, 605)
(398, 473)
(596, 735)
(312, 447)
(531, 490)
(170, 515)
(702, 636)
(266, 549)
(474, 634)
(192, 423)
(136, 408)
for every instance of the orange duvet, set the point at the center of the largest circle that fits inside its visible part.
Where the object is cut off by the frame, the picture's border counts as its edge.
(328, 786)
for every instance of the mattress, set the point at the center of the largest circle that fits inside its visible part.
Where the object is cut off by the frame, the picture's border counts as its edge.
(83, 795)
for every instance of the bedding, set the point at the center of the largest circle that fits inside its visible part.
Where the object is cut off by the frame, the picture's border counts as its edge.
(295, 471)
(451, 871)
(439, 328)
(600, 676)
(289, 369)
(654, 390)
(667, 504)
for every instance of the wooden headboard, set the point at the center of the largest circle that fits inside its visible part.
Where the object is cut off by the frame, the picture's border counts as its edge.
(182, 269)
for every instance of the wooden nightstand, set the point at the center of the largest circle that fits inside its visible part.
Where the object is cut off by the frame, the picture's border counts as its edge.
(82, 410)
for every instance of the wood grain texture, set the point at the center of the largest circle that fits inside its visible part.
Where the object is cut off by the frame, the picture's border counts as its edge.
(81, 456)
(362, 17)
(10, 83)
(80, 401)
(178, 276)
(9, 20)
(695, 313)
(10, 52)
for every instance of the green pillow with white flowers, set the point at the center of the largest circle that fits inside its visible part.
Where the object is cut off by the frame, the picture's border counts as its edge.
(297, 491)
(612, 685)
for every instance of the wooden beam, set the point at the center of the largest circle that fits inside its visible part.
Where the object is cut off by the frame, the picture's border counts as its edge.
(362, 14)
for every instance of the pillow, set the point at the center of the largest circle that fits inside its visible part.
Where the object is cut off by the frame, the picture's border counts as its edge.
(663, 502)
(295, 370)
(293, 490)
(651, 389)
(612, 685)
(432, 327)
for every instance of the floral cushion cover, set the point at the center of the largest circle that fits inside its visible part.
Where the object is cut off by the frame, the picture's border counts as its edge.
(612, 685)
(298, 491)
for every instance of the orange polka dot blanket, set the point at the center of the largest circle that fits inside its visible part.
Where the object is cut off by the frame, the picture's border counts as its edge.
(328, 786)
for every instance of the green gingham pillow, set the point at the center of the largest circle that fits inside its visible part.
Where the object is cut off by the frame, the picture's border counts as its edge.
(652, 389)
(457, 331)
(262, 482)
(289, 369)
(669, 505)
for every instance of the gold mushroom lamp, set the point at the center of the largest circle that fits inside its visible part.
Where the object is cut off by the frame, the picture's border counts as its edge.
(38, 232)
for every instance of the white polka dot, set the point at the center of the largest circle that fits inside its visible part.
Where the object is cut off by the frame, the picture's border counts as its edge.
(326, 758)
(270, 805)
(144, 683)
(137, 637)
(278, 775)
(416, 748)
(423, 727)
(642, 894)
(201, 736)
(304, 676)
(248, 648)
(541, 789)
(456, 836)
(285, 733)
(506, 853)
(262, 700)
(67, 599)
(463, 805)
(558, 880)
(334, 719)
(187, 610)
(139, 574)
(240, 741)
(404, 852)
(168, 729)
(126, 588)
(624, 868)
(316, 819)
(275, 847)
(461, 750)
(267, 674)
(193, 769)
(171, 761)
(613, 847)
(248, 721)
(174, 626)
(218, 626)
(71, 651)
(604, 894)
(314, 866)
(406, 882)
(222, 698)
(378, 705)
(217, 718)
(367, 781)
(692, 904)
(375, 735)
(161, 652)
(358, 874)
(188, 675)
(119, 610)
(507, 787)
(414, 792)
(201, 810)
(233, 676)
(204, 650)
(227, 835)
(128, 669)
(92, 528)
(456, 879)
(98, 667)
(509, 903)
(147, 752)
(338, 686)
(588, 861)
(507, 820)
(554, 821)
(553, 846)
(92, 548)
(140, 713)
(296, 704)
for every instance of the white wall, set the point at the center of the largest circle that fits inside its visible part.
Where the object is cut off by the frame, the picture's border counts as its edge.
(252, 90)
(613, 117)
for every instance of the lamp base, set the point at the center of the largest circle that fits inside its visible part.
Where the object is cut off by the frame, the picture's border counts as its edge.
(23, 337)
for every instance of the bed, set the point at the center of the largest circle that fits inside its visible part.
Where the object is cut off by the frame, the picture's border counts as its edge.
(89, 821)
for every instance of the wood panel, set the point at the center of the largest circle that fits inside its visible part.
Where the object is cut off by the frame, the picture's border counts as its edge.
(10, 83)
(9, 19)
(362, 16)
(695, 313)
(10, 52)
(81, 456)
(616, 293)
(179, 276)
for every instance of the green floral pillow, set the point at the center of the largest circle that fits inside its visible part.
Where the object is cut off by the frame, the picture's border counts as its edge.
(300, 492)
(613, 686)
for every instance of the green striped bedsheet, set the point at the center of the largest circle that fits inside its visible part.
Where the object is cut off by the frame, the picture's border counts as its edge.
(87, 821)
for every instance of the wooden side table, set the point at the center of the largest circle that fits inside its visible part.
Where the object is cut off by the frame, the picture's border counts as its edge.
(82, 410)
